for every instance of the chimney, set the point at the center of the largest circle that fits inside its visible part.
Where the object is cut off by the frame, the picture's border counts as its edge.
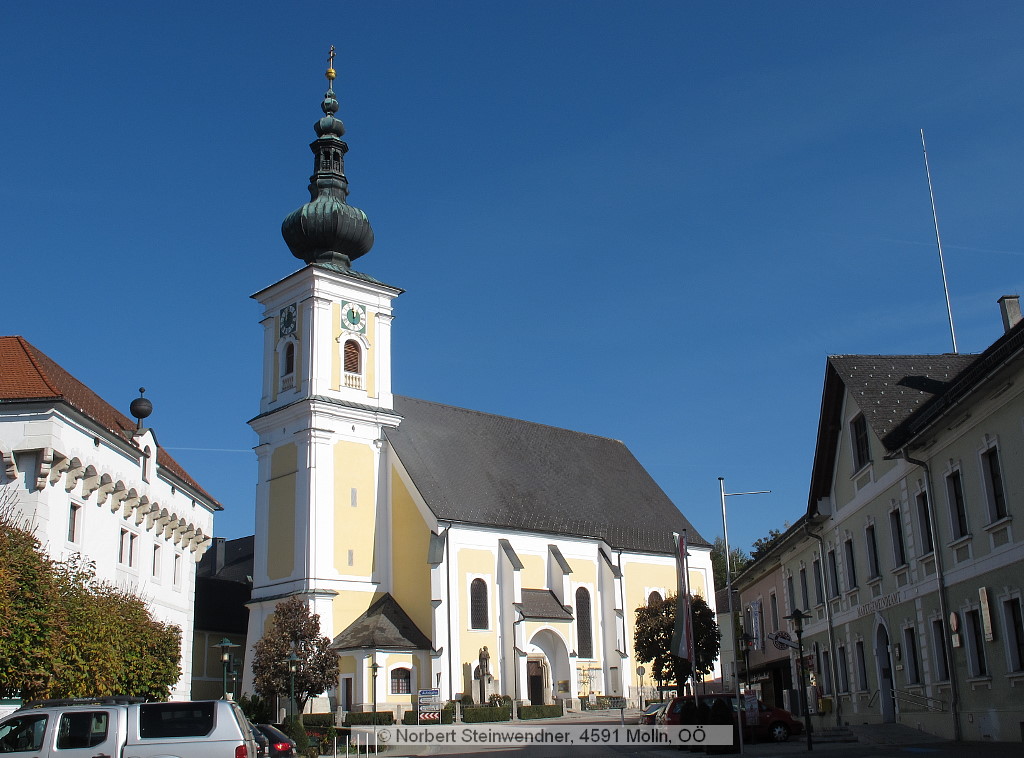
(1009, 306)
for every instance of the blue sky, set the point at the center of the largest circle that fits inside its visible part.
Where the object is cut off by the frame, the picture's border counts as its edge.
(649, 221)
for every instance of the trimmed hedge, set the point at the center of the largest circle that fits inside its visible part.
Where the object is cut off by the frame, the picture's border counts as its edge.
(318, 719)
(383, 718)
(540, 711)
(479, 714)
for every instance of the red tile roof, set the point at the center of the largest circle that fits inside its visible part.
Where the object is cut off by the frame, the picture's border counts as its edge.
(27, 374)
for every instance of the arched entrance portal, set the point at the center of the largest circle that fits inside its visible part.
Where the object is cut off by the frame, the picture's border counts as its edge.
(883, 665)
(547, 664)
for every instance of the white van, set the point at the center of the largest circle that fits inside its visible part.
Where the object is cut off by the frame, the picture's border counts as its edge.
(126, 728)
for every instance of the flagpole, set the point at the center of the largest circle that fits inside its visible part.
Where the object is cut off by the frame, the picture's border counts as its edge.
(691, 643)
(732, 617)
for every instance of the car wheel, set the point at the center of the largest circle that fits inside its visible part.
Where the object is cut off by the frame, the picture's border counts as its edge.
(779, 732)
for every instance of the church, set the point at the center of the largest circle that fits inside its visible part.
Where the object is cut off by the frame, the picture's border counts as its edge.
(441, 547)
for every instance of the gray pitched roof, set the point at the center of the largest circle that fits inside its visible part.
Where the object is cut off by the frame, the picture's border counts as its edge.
(889, 388)
(477, 468)
(542, 604)
(383, 625)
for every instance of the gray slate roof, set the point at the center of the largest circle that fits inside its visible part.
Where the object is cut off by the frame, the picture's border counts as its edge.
(889, 388)
(477, 468)
(542, 604)
(383, 625)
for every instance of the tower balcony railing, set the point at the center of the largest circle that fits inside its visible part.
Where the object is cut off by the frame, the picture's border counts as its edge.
(353, 381)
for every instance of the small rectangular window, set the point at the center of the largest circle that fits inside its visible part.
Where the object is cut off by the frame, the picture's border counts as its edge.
(924, 522)
(74, 522)
(816, 570)
(126, 552)
(994, 484)
(156, 561)
(910, 666)
(833, 575)
(862, 668)
(957, 507)
(843, 677)
(851, 567)
(790, 593)
(1014, 622)
(939, 651)
(176, 577)
(861, 447)
(826, 673)
(872, 546)
(977, 663)
(899, 548)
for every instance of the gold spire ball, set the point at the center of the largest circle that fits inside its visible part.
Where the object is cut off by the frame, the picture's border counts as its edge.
(330, 73)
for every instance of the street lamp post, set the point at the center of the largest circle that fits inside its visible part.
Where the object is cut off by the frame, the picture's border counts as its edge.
(797, 617)
(746, 639)
(293, 665)
(728, 584)
(225, 646)
(373, 671)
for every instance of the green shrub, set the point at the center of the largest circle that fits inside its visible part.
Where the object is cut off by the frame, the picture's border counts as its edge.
(256, 709)
(293, 727)
(540, 711)
(383, 718)
(479, 714)
(318, 720)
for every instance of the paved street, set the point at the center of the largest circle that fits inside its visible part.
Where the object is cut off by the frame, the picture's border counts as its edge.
(876, 741)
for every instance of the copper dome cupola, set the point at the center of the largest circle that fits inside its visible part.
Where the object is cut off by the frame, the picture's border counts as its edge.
(327, 229)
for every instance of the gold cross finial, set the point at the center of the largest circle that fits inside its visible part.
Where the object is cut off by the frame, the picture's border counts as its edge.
(330, 74)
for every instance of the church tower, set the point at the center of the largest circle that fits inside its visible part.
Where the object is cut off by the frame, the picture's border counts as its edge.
(320, 528)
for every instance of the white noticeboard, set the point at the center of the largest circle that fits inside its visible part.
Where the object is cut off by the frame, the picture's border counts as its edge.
(750, 706)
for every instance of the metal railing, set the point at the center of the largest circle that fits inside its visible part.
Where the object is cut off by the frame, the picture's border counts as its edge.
(912, 697)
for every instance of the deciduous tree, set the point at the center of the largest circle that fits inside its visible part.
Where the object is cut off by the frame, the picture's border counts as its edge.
(294, 628)
(653, 638)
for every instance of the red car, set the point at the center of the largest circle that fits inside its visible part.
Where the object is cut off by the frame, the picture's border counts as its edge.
(775, 724)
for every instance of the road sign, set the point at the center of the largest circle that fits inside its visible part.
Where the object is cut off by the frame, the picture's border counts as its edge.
(430, 715)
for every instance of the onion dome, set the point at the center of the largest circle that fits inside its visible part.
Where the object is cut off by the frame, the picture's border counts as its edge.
(327, 229)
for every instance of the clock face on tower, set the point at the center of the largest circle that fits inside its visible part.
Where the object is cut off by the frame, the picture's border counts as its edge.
(288, 321)
(353, 317)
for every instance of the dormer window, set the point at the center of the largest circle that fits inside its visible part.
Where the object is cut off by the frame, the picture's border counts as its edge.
(353, 363)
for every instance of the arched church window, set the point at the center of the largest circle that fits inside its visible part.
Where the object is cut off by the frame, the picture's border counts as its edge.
(584, 633)
(654, 598)
(401, 681)
(353, 357)
(478, 604)
(289, 359)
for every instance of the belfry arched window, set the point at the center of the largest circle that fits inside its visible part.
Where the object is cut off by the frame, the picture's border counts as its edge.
(584, 632)
(288, 365)
(478, 604)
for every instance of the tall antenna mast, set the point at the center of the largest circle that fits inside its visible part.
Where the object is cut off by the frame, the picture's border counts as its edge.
(938, 241)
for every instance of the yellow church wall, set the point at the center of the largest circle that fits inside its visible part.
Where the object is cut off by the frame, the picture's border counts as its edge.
(281, 512)
(347, 606)
(640, 576)
(371, 364)
(336, 343)
(347, 664)
(534, 573)
(475, 562)
(583, 572)
(354, 527)
(410, 540)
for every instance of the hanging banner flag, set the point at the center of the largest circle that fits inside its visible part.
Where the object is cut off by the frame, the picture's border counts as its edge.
(682, 636)
(755, 625)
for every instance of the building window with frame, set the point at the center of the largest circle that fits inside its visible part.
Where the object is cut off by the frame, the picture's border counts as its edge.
(156, 561)
(478, 610)
(803, 589)
(861, 444)
(939, 651)
(957, 506)
(899, 547)
(833, 575)
(126, 551)
(74, 522)
(288, 365)
(353, 363)
(584, 632)
(401, 681)
(843, 675)
(790, 593)
(862, 667)
(977, 663)
(911, 670)
(924, 522)
(826, 673)
(851, 566)
(816, 571)
(176, 571)
(874, 570)
(1014, 623)
(994, 484)
(773, 602)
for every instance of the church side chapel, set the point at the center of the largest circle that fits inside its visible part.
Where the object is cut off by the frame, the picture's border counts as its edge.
(441, 547)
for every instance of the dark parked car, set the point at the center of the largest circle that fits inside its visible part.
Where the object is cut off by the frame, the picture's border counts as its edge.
(281, 745)
(262, 743)
(650, 714)
(774, 724)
